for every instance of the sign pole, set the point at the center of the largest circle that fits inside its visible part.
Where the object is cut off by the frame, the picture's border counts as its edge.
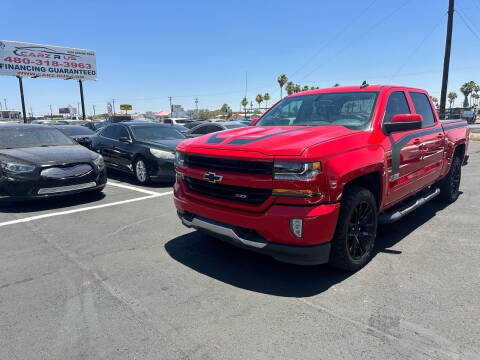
(81, 98)
(23, 99)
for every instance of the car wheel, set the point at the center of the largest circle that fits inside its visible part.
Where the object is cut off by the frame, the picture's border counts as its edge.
(141, 171)
(450, 184)
(356, 230)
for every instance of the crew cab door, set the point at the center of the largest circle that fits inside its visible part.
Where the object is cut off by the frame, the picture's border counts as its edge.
(405, 158)
(431, 140)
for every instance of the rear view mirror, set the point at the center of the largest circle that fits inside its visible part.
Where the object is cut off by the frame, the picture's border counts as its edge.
(403, 122)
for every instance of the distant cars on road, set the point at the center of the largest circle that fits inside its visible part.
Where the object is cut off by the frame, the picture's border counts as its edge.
(207, 128)
(38, 161)
(145, 149)
(80, 134)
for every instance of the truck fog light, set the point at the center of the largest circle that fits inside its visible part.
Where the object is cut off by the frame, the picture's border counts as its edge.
(296, 227)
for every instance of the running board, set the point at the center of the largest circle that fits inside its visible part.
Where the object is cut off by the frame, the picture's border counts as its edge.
(387, 218)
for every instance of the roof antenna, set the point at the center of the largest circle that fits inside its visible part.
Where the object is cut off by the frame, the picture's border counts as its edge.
(364, 84)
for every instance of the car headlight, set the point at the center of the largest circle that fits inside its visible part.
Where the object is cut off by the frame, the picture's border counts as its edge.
(17, 168)
(285, 170)
(99, 162)
(162, 154)
(179, 158)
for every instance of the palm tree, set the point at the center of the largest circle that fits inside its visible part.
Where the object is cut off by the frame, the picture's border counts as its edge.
(305, 88)
(259, 100)
(452, 95)
(244, 104)
(435, 101)
(466, 90)
(475, 98)
(266, 97)
(297, 88)
(336, 85)
(290, 88)
(282, 80)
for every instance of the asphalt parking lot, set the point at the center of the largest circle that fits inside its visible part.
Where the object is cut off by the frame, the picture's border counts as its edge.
(118, 277)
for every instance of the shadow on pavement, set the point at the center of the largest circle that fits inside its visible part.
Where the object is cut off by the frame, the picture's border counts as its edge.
(254, 272)
(54, 203)
(130, 180)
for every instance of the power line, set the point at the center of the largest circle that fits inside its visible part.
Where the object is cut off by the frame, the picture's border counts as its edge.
(466, 24)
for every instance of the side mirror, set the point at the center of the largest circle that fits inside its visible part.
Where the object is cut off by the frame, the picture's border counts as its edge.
(403, 122)
(125, 140)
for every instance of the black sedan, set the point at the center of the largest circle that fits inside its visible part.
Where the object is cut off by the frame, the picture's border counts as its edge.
(144, 149)
(210, 127)
(80, 134)
(38, 161)
(95, 125)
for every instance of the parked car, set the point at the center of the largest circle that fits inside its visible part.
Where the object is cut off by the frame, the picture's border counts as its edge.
(80, 134)
(95, 125)
(174, 121)
(119, 118)
(310, 182)
(38, 161)
(144, 149)
(49, 122)
(207, 128)
(191, 124)
(182, 129)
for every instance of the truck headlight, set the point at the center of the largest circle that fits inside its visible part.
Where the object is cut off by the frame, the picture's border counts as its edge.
(162, 154)
(285, 170)
(179, 158)
(17, 168)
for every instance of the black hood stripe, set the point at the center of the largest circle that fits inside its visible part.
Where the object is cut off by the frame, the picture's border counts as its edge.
(215, 140)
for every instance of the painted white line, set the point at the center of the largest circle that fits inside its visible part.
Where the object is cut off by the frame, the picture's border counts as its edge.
(134, 188)
(67, 212)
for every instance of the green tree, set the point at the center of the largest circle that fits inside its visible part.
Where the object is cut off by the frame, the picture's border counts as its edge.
(282, 80)
(305, 88)
(466, 90)
(290, 87)
(475, 98)
(297, 88)
(224, 108)
(244, 104)
(259, 100)
(266, 97)
(203, 114)
(435, 101)
(336, 85)
(452, 95)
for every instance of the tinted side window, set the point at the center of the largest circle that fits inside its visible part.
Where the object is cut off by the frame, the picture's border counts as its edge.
(397, 104)
(108, 132)
(201, 130)
(422, 107)
(121, 132)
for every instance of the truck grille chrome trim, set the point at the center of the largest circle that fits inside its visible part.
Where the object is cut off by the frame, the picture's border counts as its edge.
(220, 230)
(60, 189)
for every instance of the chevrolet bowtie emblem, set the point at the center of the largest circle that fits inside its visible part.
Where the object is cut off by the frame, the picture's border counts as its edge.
(212, 177)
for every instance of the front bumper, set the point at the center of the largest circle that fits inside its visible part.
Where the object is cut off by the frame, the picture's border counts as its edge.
(161, 170)
(20, 188)
(267, 232)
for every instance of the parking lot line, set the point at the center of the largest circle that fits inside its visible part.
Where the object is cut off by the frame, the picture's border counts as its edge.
(88, 208)
(134, 188)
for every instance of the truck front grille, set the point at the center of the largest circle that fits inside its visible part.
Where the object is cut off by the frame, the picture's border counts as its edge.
(228, 192)
(232, 165)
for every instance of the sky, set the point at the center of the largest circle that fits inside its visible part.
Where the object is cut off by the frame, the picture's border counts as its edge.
(149, 50)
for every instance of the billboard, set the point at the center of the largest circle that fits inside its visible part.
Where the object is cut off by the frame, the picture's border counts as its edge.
(125, 107)
(64, 110)
(34, 60)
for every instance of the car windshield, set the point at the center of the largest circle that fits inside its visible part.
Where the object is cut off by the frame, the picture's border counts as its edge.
(350, 109)
(27, 137)
(76, 130)
(152, 132)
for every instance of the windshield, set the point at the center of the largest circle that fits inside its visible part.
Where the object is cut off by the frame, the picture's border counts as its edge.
(149, 133)
(350, 109)
(26, 137)
(76, 130)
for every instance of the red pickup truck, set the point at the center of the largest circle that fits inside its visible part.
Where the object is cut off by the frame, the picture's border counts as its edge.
(310, 182)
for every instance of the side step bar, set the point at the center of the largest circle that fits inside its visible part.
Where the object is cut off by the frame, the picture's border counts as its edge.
(387, 218)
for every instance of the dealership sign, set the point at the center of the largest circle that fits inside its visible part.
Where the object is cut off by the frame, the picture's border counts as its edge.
(125, 107)
(33, 60)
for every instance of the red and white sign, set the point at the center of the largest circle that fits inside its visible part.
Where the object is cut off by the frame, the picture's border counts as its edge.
(34, 60)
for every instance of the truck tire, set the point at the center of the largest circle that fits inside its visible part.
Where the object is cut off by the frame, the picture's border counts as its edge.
(450, 184)
(352, 244)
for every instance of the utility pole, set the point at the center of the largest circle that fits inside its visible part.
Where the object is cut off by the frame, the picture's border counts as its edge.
(51, 111)
(5, 101)
(171, 106)
(31, 112)
(196, 105)
(113, 101)
(93, 110)
(446, 58)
